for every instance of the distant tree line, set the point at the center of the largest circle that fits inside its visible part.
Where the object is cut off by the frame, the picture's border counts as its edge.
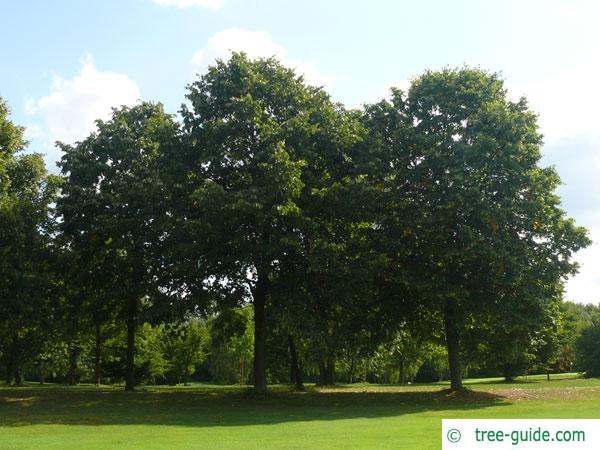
(270, 234)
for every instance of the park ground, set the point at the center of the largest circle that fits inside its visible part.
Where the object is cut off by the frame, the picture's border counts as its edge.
(221, 417)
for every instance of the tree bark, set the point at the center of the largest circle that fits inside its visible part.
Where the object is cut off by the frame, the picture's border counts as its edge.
(18, 375)
(453, 345)
(327, 372)
(402, 376)
(9, 370)
(131, 329)
(73, 357)
(260, 333)
(42, 372)
(12, 366)
(295, 373)
(331, 371)
(97, 356)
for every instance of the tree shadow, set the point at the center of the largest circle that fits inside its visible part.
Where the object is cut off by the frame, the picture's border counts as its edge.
(214, 407)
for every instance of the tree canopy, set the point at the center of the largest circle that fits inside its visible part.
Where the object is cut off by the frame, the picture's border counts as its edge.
(268, 222)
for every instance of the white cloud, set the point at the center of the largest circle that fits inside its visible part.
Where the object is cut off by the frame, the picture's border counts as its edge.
(567, 100)
(386, 91)
(585, 286)
(68, 113)
(212, 4)
(577, 159)
(256, 44)
(33, 132)
(566, 95)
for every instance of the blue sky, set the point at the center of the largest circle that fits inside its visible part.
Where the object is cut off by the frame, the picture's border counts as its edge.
(64, 63)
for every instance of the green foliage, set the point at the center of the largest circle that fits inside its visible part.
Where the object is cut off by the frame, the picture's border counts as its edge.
(264, 150)
(477, 223)
(311, 238)
(27, 257)
(399, 359)
(185, 346)
(150, 361)
(112, 201)
(115, 216)
(231, 345)
(588, 349)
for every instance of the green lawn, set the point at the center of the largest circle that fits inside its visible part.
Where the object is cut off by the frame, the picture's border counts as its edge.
(205, 416)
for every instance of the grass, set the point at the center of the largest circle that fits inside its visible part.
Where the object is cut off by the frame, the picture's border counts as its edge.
(207, 416)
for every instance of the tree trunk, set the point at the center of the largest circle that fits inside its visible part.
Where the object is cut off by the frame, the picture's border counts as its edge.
(97, 356)
(548, 376)
(322, 370)
(402, 376)
(351, 370)
(453, 345)
(42, 372)
(73, 358)
(331, 371)
(9, 370)
(18, 375)
(242, 372)
(327, 372)
(295, 373)
(260, 333)
(131, 328)
(12, 366)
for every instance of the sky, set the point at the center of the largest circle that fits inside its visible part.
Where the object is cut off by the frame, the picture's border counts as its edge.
(65, 63)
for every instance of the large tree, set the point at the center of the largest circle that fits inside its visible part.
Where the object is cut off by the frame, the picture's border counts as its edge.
(114, 207)
(261, 143)
(480, 224)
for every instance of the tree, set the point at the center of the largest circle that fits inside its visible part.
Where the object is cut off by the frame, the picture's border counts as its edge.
(260, 141)
(588, 349)
(114, 209)
(186, 346)
(26, 251)
(550, 341)
(478, 220)
(576, 318)
(399, 359)
(231, 343)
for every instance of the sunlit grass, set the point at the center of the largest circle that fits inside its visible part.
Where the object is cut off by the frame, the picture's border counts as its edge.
(211, 416)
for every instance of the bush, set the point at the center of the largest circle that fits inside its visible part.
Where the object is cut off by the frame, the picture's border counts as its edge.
(588, 350)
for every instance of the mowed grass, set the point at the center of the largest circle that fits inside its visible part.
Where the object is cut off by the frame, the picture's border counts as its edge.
(213, 417)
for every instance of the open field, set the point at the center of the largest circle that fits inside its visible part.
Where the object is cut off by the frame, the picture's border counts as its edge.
(205, 416)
